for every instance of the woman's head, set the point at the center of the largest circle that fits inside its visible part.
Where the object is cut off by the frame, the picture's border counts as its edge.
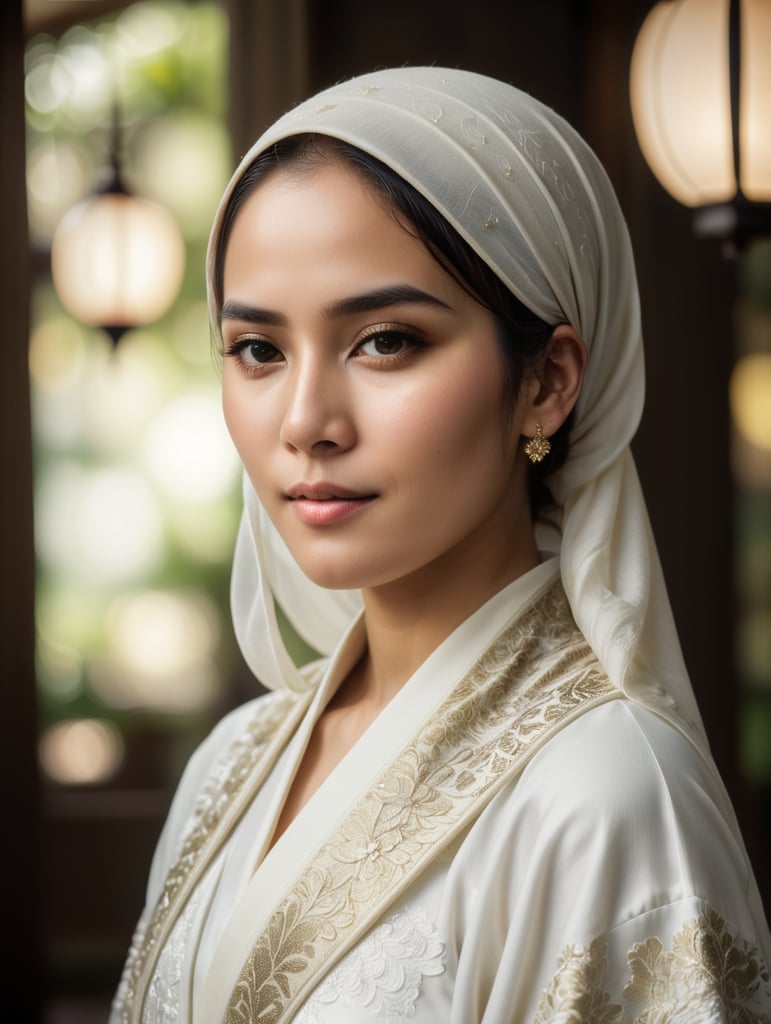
(522, 335)
(524, 193)
(363, 386)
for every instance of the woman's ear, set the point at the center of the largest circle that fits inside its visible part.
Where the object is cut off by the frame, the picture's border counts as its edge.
(559, 380)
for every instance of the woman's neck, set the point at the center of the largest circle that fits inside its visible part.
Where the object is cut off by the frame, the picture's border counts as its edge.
(408, 619)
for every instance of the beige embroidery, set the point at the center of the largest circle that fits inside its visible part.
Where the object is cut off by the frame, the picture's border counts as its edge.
(708, 966)
(577, 995)
(231, 784)
(710, 974)
(482, 735)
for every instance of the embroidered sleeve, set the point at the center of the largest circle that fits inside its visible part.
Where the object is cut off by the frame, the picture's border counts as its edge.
(707, 973)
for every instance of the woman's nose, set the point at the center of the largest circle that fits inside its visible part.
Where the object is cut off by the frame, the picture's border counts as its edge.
(318, 416)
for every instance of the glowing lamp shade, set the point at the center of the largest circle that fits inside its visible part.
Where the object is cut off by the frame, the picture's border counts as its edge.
(117, 261)
(700, 89)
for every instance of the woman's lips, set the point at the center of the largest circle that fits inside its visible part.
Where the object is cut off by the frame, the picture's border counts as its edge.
(323, 503)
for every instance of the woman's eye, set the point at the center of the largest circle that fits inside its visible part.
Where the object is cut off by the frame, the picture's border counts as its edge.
(254, 351)
(387, 343)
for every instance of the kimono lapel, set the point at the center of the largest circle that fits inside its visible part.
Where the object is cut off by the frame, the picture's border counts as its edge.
(534, 678)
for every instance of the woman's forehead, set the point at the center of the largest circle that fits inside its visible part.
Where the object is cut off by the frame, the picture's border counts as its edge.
(328, 226)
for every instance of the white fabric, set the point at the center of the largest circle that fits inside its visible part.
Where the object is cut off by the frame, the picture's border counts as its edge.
(253, 903)
(599, 844)
(600, 838)
(526, 192)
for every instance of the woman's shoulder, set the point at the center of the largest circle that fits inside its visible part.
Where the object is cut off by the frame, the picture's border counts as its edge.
(618, 816)
(241, 719)
(620, 789)
(223, 755)
(259, 714)
(624, 755)
(241, 729)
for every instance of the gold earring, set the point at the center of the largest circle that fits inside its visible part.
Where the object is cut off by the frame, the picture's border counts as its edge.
(538, 447)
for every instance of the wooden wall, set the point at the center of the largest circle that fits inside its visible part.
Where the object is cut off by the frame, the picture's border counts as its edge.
(18, 722)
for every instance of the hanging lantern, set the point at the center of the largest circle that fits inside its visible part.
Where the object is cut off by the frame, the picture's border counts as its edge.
(117, 259)
(700, 90)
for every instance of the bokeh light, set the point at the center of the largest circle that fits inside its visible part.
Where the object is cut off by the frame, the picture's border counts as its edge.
(81, 751)
(125, 390)
(184, 162)
(188, 451)
(100, 524)
(90, 75)
(204, 532)
(47, 81)
(160, 632)
(57, 355)
(161, 651)
(751, 398)
(144, 28)
(59, 173)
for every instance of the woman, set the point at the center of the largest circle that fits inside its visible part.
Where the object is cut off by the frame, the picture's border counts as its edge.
(492, 800)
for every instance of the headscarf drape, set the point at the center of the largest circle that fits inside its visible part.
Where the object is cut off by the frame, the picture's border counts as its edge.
(529, 196)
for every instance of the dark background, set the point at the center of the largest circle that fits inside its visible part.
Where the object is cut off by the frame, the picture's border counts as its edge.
(574, 55)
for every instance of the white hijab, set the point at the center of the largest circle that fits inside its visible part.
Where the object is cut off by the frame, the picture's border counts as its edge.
(530, 197)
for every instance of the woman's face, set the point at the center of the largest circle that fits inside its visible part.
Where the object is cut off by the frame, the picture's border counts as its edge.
(363, 389)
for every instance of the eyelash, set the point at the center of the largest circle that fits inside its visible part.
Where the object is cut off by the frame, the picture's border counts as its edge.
(412, 342)
(238, 346)
(391, 331)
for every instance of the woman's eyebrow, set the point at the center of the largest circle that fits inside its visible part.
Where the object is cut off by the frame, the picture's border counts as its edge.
(234, 310)
(380, 298)
(367, 302)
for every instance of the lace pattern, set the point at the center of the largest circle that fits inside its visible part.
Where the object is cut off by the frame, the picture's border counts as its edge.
(384, 973)
(162, 1002)
(710, 975)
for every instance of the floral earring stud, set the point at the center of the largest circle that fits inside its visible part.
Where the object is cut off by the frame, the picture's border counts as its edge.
(538, 447)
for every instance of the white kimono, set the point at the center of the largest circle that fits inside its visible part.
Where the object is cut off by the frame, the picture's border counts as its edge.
(512, 840)
(532, 830)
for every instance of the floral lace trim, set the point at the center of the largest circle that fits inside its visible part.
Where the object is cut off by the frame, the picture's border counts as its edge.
(233, 780)
(710, 975)
(384, 972)
(537, 675)
(162, 1002)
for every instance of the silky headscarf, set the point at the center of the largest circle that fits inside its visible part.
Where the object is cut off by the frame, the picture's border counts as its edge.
(532, 200)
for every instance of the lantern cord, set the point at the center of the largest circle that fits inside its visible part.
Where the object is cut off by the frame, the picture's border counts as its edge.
(115, 183)
(734, 78)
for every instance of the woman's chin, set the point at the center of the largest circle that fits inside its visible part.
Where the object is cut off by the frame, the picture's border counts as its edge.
(332, 577)
(339, 574)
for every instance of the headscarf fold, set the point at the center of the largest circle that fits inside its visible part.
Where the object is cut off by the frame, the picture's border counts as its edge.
(529, 196)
